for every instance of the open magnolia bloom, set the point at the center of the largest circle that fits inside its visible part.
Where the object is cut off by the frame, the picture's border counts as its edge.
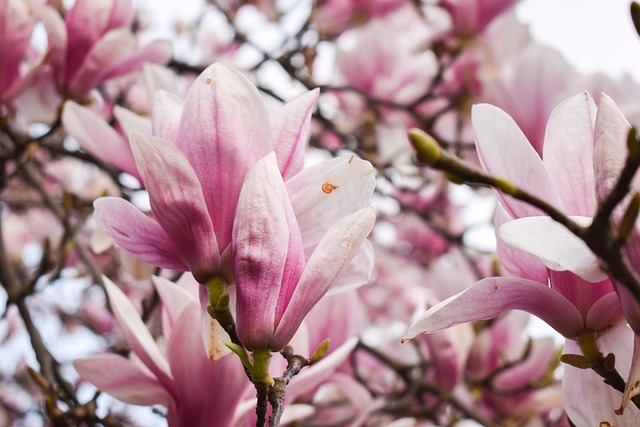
(276, 283)
(551, 274)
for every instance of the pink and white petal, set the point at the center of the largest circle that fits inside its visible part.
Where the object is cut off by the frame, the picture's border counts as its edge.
(96, 64)
(540, 359)
(57, 41)
(633, 379)
(291, 127)
(559, 249)
(606, 313)
(159, 77)
(86, 22)
(131, 122)
(514, 262)
(137, 233)
(224, 130)
(157, 52)
(587, 399)
(16, 24)
(610, 151)
(325, 192)
(136, 333)
(330, 259)
(177, 202)
(568, 153)
(493, 296)
(175, 300)
(167, 109)
(122, 379)
(359, 271)
(505, 152)
(195, 374)
(269, 256)
(95, 135)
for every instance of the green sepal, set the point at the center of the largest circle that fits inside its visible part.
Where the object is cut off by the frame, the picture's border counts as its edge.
(241, 353)
(629, 219)
(609, 362)
(575, 360)
(320, 351)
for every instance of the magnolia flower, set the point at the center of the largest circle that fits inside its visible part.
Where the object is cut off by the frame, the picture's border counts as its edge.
(553, 274)
(471, 17)
(95, 43)
(276, 283)
(178, 375)
(194, 165)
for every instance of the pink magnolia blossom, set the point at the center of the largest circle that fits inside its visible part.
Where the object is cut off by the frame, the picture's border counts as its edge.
(335, 16)
(276, 283)
(553, 275)
(470, 17)
(178, 375)
(95, 43)
(194, 165)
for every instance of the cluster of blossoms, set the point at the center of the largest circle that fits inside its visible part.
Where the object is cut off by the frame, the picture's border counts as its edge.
(222, 221)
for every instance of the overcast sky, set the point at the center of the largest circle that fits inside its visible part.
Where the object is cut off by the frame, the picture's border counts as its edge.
(594, 35)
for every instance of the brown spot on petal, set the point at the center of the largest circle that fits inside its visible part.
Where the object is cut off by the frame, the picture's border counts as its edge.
(208, 81)
(350, 159)
(327, 187)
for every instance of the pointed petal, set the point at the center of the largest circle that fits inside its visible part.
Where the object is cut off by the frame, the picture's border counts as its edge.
(505, 152)
(514, 262)
(158, 52)
(291, 128)
(137, 233)
(359, 271)
(559, 249)
(117, 376)
(269, 256)
(16, 24)
(175, 301)
(611, 145)
(57, 41)
(167, 109)
(490, 297)
(224, 131)
(330, 259)
(323, 193)
(137, 334)
(131, 122)
(95, 135)
(177, 202)
(109, 50)
(159, 77)
(568, 153)
(605, 313)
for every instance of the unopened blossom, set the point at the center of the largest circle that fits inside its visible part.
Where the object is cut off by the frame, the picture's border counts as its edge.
(178, 374)
(95, 43)
(470, 17)
(552, 274)
(276, 283)
(193, 167)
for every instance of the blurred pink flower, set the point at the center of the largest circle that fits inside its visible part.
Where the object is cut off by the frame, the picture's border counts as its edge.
(95, 43)
(177, 374)
(470, 17)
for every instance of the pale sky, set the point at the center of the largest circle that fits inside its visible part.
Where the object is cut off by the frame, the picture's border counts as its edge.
(593, 35)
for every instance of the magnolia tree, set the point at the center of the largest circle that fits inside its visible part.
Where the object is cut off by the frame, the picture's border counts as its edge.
(235, 213)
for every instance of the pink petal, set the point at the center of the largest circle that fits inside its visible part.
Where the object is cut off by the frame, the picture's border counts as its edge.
(131, 122)
(224, 131)
(269, 257)
(505, 152)
(559, 249)
(633, 379)
(95, 135)
(122, 379)
(605, 313)
(359, 271)
(175, 301)
(57, 42)
(16, 24)
(137, 334)
(138, 233)
(291, 128)
(97, 63)
(177, 202)
(158, 52)
(159, 77)
(492, 296)
(323, 193)
(568, 153)
(329, 260)
(167, 109)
